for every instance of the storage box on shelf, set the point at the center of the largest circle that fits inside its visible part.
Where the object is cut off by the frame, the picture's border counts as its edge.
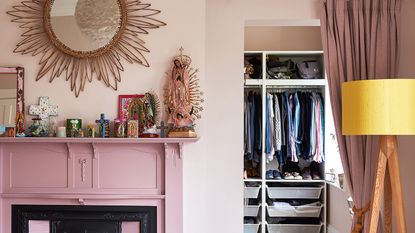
(294, 192)
(308, 218)
(251, 228)
(252, 192)
(294, 228)
(251, 212)
(304, 211)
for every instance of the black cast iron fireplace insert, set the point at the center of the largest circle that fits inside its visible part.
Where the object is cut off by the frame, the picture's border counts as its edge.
(91, 219)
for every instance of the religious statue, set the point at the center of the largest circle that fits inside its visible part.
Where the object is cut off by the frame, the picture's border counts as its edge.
(183, 97)
(151, 112)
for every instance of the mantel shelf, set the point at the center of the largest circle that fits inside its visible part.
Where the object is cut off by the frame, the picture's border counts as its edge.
(98, 140)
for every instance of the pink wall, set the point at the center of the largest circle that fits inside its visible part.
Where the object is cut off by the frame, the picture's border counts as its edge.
(283, 38)
(213, 166)
(186, 27)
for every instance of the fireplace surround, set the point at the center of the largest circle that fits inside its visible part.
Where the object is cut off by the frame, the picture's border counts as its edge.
(92, 172)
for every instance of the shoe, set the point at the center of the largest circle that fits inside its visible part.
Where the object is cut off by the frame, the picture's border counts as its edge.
(276, 174)
(269, 175)
(306, 173)
(297, 176)
(315, 171)
(288, 176)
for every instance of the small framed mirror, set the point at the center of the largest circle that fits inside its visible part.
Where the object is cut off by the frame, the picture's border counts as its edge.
(11, 101)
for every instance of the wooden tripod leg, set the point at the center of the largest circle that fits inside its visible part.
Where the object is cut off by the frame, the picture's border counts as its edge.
(378, 186)
(397, 198)
(387, 202)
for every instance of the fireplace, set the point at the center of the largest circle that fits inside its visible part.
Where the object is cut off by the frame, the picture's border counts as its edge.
(137, 182)
(79, 219)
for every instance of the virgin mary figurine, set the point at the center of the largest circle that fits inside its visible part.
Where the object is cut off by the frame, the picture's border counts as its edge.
(183, 97)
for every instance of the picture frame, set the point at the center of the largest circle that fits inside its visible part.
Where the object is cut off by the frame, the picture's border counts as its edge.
(129, 107)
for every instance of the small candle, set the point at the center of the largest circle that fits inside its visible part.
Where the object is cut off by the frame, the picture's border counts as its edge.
(61, 132)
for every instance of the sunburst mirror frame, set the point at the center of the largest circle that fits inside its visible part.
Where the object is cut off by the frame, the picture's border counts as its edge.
(79, 66)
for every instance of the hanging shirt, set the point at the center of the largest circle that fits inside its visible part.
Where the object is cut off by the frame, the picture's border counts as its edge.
(297, 125)
(277, 124)
(269, 116)
(313, 127)
(291, 134)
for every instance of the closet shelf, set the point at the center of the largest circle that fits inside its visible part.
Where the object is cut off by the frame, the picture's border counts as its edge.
(252, 180)
(286, 82)
(296, 181)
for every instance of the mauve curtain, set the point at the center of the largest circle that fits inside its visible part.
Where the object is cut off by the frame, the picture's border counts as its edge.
(360, 41)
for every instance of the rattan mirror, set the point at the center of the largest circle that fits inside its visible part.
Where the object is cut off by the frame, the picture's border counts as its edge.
(84, 40)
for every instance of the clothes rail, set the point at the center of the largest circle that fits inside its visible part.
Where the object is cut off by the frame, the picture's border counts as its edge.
(278, 90)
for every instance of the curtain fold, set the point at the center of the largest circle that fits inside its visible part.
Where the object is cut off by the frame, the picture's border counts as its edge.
(360, 41)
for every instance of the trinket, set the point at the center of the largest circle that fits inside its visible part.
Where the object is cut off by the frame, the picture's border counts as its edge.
(44, 110)
(132, 128)
(73, 126)
(104, 126)
(61, 133)
(90, 131)
(119, 128)
(36, 129)
(10, 132)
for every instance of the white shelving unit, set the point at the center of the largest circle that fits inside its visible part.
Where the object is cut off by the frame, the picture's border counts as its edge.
(262, 86)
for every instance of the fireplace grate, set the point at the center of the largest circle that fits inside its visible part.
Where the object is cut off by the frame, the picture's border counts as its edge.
(88, 219)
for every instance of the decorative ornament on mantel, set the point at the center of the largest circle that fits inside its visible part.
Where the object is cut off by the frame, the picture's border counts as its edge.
(106, 32)
(182, 97)
(44, 111)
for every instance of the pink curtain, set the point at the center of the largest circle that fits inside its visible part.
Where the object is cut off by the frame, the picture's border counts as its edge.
(360, 41)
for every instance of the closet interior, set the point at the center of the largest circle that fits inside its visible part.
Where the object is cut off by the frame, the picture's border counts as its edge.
(284, 142)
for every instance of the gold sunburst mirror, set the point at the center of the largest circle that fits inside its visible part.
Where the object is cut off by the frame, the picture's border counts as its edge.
(84, 39)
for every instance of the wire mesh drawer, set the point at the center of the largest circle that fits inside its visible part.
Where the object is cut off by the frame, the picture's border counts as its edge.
(294, 192)
(251, 210)
(251, 228)
(293, 228)
(295, 211)
(252, 192)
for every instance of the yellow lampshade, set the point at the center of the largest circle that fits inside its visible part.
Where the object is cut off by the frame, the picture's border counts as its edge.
(378, 107)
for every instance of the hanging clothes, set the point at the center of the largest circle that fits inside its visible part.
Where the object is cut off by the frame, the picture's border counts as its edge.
(294, 126)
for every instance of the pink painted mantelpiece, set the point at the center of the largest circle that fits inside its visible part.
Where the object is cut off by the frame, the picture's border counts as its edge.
(94, 171)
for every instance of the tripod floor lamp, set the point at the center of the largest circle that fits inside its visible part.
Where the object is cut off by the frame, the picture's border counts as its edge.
(384, 107)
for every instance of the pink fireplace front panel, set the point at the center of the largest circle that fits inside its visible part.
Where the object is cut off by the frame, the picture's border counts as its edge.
(93, 172)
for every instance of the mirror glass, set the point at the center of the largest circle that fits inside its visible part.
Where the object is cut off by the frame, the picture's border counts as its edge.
(8, 95)
(85, 25)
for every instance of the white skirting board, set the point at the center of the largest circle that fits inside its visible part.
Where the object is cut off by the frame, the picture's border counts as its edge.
(331, 229)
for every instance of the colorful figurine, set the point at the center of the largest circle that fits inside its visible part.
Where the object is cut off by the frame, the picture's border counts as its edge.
(104, 126)
(20, 124)
(119, 128)
(36, 129)
(183, 97)
(151, 110)
(132, 129)
(90, 131)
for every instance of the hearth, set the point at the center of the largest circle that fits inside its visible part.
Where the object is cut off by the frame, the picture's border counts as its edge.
(83, 219)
